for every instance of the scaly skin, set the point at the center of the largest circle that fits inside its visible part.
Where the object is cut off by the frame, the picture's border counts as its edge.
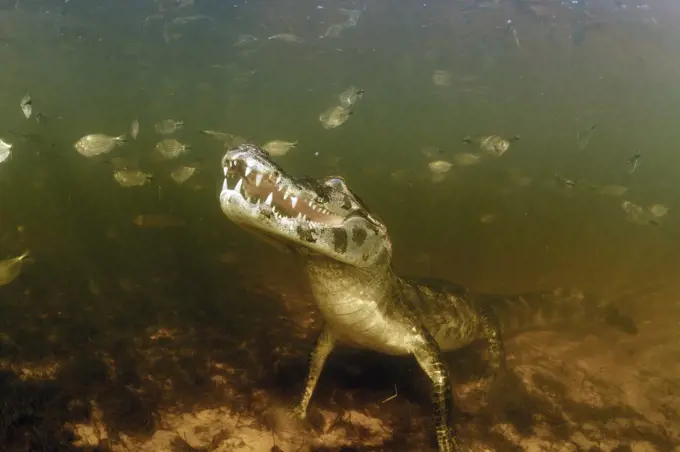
(347, 257)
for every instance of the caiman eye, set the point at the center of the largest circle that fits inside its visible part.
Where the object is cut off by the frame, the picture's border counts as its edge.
(336, 182)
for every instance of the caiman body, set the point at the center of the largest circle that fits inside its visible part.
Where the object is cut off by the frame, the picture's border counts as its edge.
(347, 257)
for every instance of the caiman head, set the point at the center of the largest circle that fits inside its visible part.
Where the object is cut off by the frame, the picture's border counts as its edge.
(320, 217)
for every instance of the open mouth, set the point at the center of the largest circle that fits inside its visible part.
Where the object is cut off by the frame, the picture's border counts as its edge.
(270, 191)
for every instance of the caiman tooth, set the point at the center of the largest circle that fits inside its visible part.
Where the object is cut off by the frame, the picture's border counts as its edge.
(258, 179)
(285, 195)
(225, 187)
(278, 179)
(299, 216)
(239, 184)
(226, 170)
(304, 218)
(269, 199)
(293, 201)
(248, 171)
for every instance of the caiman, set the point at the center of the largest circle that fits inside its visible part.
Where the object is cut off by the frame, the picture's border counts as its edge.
(347, 255)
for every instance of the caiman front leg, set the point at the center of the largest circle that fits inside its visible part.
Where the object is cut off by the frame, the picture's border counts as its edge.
(428, 356)
(324, 346)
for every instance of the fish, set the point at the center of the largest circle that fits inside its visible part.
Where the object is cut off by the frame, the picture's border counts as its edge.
(27, 105)
(441, 78)
(286, 37)
(583, 136)
(466, 159)
(333, 31)
(350, 96)
(134, 129)
(98, 143)
(278, 148)
(227, 139)
(612, 190)
(158, 220)
(634, 161)
(171, 148)
(334, 117)
(10, 269)
(353, 16)
(440, 166)
(183, 174)
(5, 150)
(569, 183)
(132, 178)
(638, 215)
(168, 126)
(430, 151)
(494, 145)
(244, 39)
(658, 210)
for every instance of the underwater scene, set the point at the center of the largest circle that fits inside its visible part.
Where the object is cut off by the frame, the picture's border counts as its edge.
(351, 225)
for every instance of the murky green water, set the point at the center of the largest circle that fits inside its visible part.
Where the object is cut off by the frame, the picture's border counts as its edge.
(117, 325)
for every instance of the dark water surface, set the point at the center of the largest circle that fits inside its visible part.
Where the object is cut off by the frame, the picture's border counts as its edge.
(193, 335)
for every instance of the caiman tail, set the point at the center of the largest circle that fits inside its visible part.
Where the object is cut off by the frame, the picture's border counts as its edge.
(566, 308)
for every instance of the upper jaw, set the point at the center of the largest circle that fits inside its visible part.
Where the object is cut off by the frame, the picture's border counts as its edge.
(257, 187)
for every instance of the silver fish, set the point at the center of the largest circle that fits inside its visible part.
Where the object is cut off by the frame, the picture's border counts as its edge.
(5, 150)
(227, 139)
(353, 16)
(244, 39)
(171, 148)
(183, 174)
(494, 145)
(27, 105)
(287, 37)
(658, 210)
(168, 126)
(132, 178)
(350, 96)
(11, 268)
(466, 159)
(584, 136)
(334, 117)
(334, 31)
(440, 166)
(638, 215)
(98, 143)
(134, 129)
(277, 148)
